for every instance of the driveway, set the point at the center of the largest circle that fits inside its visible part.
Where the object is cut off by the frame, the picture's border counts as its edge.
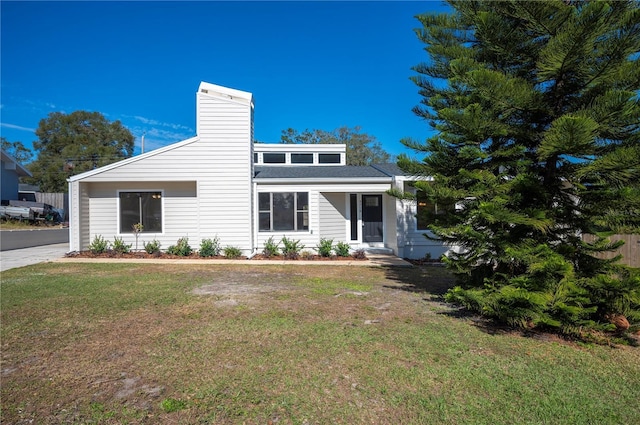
(34, 255)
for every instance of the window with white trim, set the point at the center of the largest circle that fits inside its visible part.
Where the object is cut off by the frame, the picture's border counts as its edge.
(283, 211)
(140, 207)
(425, 208)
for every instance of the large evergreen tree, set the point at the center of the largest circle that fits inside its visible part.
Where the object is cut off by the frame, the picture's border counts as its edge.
(537, 117)
(70, 144)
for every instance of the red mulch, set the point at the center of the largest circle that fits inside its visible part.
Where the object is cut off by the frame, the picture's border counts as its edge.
(164, 255)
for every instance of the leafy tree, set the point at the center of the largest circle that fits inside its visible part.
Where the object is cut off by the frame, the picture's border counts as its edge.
(17, 150)
(536, 110)
(70, 144)
(362, 148)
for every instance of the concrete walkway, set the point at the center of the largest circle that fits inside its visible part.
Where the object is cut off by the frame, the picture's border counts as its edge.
(56, 253)
(27, 256)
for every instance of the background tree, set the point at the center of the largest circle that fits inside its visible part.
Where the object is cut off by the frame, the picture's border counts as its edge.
(17, 150)
(536, 110)
(70, 144)
(362, 148)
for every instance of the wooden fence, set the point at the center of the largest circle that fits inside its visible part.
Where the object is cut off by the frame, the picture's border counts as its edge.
(56, 200)
(630, 251)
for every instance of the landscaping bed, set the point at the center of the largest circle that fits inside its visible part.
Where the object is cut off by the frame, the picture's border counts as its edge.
(196, 256)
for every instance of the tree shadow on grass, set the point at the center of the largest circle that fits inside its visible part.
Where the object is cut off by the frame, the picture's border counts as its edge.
(432, 281)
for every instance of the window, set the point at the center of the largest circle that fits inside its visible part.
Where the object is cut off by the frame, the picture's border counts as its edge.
(273, 158)
(329, 158)
(283, 211)
(425, 208)
(255, 157)
(302, 158)
(353, 211)
(141, 207)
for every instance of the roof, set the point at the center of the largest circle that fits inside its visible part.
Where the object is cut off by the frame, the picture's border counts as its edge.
(390, 169)
(318, 172)
(19, 169)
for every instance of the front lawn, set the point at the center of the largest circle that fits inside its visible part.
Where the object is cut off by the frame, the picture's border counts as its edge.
(228, 344)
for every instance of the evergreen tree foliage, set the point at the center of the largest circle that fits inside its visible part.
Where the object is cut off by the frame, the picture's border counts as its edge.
(536, 116)
(362, 148)
(70, 144)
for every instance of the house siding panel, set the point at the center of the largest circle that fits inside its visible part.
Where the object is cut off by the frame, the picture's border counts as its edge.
(333, 216)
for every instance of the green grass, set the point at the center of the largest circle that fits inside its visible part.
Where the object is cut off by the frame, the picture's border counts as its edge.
(107, 343)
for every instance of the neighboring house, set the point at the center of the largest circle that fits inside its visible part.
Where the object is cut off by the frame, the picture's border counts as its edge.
(221, 184)
(11, 173)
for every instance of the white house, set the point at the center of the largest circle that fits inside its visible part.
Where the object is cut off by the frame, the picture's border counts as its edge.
(221, 184)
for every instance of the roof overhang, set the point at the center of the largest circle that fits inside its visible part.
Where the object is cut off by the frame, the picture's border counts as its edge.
(12, 164)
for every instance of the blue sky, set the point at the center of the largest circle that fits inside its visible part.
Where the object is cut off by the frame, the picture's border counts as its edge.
(308, 64)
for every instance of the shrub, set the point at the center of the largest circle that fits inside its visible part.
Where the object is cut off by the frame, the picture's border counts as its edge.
(291, 248)
(271, 248)
(181, 248)
(152, 247)
(210, 247)
(359, 254)
(119, 246)
(325, 247)
(306, 255)
(99, 245)
(232, 252)
(342, 249)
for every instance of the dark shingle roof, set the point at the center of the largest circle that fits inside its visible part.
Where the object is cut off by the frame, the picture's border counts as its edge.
(317, 172)
(390, 169)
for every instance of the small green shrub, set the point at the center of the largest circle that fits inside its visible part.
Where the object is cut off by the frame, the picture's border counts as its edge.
(119, 246)
(99, 245)
(210, 247)
(325, 248)
(359, 254)
(291, 248)
(181, 248)
(232, 252)
(342, 249)
(271, 248)
(152, 247)
(172, 405)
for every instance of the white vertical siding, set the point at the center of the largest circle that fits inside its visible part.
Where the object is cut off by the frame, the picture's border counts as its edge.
(411, 242)
(333, 216)
(217, 163)
(179, 212)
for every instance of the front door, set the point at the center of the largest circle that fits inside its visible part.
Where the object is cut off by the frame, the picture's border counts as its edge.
(372, 218)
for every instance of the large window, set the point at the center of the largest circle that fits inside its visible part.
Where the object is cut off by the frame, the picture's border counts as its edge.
(282, 211)
(141, 207)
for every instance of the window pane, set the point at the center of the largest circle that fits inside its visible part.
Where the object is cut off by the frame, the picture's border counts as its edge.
(264, 203)
(303, 221)
(353, 207)
(273, 158)
(264, 221)
(302, 158)
(151, 211)
(283, 211)
(303, 200)
(329, 158)
(129, 211)
(255, 158)
(141, 207)
(424, 208)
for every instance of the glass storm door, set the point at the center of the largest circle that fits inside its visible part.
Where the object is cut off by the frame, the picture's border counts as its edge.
(372, 218)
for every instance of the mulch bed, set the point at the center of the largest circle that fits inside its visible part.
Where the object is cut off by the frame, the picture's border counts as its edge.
(196, 256)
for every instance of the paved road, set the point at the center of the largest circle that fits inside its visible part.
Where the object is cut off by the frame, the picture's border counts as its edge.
(34, 255)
